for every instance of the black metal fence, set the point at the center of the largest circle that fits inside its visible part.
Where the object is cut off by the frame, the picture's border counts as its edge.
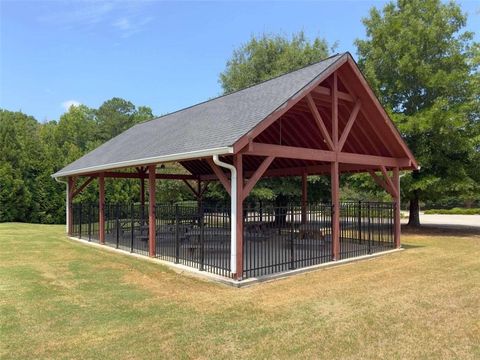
(366, 228)
(276, 239)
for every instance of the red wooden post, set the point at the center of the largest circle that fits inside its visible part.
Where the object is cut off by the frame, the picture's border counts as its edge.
(336, 210)
(304, 197)
(334, 173)
(199, 193)
(69, 205)
(142, 192)
(238, 163)
(335, 112)
(397, 225)
(151, 210)
(101, 208)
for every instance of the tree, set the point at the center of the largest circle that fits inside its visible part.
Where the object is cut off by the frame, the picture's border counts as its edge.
(422, 68)
(267, 56)
(116, 115)
(21, 163)
(30, 152)
(263, 58)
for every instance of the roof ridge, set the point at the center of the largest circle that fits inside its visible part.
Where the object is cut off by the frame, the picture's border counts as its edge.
(240, 90)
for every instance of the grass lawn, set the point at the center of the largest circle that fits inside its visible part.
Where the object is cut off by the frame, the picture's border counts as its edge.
(62, 299)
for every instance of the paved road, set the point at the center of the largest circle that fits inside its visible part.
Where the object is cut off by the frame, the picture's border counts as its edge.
(449, 220)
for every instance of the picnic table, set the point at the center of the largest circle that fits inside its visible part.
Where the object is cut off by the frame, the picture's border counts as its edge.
(311, 232)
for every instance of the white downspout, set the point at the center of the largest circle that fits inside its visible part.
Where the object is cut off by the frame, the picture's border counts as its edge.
(233, 216)
(67, 205)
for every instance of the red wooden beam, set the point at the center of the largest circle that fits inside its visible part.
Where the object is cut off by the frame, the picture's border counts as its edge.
(335, 111)
(151, 211)
(348, 127)
(368, 127)
(290, 152)
(361, 159)
(324, 91)
(192, 189)
(141, 175)
(388, 180)
(205, 187)
(83, 186)
(360, 128)
(256, 176)
(382, 183)
(220, 175)
(101, 208)
(320, 123)
(335, 174)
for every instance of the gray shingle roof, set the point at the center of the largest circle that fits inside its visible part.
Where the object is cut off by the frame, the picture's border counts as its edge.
(214, 124)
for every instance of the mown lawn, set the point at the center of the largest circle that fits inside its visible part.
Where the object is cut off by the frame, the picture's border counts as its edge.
(61, 299)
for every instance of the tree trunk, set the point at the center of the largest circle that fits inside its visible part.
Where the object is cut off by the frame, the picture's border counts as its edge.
(414, 216)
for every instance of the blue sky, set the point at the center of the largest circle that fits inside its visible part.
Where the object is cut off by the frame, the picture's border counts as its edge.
(166, 55)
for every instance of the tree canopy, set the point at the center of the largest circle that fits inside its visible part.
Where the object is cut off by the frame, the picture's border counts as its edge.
(267, 56)
(424, 70)
(31, 151)
(422, 65)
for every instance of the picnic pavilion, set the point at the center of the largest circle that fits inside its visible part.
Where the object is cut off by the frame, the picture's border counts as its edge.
(322, 119)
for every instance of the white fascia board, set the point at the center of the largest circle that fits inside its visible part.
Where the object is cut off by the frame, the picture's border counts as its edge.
(146, 161)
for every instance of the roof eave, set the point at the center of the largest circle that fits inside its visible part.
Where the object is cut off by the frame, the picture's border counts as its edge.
(226, 150)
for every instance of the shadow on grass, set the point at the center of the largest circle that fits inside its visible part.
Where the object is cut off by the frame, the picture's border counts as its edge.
(441, 230)
(411, 246)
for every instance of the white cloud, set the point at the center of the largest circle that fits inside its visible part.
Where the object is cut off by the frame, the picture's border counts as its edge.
(123, 24)
(129, 25)
(81, 13)
(125, 17)
(69, 103)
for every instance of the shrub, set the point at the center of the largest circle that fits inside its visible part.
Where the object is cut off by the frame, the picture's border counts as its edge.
(454, 211)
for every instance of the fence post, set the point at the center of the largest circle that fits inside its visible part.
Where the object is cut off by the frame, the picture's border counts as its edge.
(89, 222)
(177, 235)
(117, 224)
(369, 228)
(292, 230)
(132, 225)
(202, 245)
(360, 221)
(80, 220)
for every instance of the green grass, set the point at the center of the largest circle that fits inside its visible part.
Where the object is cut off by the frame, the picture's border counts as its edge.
(62, 299)
(454, 211)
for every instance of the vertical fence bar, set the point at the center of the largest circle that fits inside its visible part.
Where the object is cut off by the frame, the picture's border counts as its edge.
(369, 228)
(117, 225)
(132, 226)
(80, 220)
(202, 239)
(360, 222)
(177, 235)
(292, 232)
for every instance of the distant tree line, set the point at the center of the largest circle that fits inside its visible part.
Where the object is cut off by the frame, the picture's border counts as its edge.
(420, 63)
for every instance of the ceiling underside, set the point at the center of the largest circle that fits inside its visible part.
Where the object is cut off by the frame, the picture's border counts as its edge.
(369, 134)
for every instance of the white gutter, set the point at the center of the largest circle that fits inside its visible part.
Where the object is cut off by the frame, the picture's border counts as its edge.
(233, 216)
(150, 160)
(67, 205)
